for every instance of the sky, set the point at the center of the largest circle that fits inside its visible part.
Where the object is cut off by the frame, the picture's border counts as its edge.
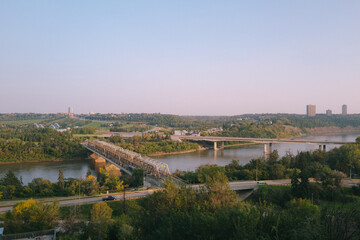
(187, 57)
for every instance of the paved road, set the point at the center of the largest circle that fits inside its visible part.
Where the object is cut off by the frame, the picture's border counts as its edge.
(89, 200)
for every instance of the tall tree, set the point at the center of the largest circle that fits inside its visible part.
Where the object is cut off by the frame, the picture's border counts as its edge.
(61, 182)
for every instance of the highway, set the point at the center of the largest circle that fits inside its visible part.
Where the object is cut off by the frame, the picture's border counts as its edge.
(6, 206)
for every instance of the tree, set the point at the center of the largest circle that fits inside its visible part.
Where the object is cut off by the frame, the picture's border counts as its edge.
(113, 182)
(41, 187)
(137, 179)
(31, 215)
(88, 173)
(61, 182)
(100, 218)
(90, 186)
(12, 185)
(205, 171)
(273, 157)
(220, 194)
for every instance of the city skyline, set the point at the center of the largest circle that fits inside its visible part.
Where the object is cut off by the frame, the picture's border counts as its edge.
(179, 57)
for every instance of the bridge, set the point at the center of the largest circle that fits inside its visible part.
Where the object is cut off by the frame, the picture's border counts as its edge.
(322, 143)
(126, 160)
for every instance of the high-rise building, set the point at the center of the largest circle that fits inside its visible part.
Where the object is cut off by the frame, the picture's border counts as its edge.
(344, 109)
(328, 112)
(70, 110)
(310, 110)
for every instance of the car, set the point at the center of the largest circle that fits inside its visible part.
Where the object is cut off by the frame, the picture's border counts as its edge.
(261, 183)
(108, 198)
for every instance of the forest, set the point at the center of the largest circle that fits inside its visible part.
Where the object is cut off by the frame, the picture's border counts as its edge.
(153, 143)
(19, 144)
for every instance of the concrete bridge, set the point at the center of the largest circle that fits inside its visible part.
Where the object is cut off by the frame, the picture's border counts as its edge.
(266, 141)
(126, 160)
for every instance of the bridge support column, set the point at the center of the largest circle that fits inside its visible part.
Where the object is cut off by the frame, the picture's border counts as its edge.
(270, 147)
(265, 151)
(215, 146)
(112, 169)
(97, 161)
(222, 145)
(319, 147)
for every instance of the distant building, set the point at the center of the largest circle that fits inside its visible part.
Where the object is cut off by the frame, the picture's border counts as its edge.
(70, 110)
(55, 126)
(310, 110)
(328, 112)
(344, 109)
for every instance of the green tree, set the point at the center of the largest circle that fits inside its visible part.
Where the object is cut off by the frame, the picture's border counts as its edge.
(220, 194)
(274, 156)
(41, 187)
(90, 186)
(31, 215)
(61, 182)
(12, 185)
(100, 218)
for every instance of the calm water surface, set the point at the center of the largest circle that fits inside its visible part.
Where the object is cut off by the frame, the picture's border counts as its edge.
(189, 161)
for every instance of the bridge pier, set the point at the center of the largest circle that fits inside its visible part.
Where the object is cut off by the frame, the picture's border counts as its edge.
(222, 145)
(112, 169)
(215, 146)
(322, 147)
(97, 161)
(267, 151)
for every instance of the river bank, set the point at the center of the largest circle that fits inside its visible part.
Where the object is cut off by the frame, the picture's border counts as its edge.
(45, 161)
(320, 131)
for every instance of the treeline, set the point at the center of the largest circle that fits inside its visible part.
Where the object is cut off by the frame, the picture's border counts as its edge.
(257, 130)
(132, 128)
(83, 130)
(302, 121)
(164, 120)
(152, 143)
(31, 144)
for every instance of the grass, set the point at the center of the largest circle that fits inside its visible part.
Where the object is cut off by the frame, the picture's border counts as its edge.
(22, 122)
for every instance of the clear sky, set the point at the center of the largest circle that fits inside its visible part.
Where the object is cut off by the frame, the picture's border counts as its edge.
(189, 57)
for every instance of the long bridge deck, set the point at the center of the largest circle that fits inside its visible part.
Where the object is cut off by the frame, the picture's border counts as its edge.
(126, 159)
(259, 140)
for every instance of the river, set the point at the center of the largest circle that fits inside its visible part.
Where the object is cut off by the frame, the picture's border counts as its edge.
(188, 161)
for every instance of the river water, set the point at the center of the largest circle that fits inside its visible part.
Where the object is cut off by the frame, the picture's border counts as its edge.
(188, 161)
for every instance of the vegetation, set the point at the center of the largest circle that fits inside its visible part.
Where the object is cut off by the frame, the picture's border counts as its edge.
(213, 212)
(31, 144)
(31, 215)
(153, 143)
(11, 187)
